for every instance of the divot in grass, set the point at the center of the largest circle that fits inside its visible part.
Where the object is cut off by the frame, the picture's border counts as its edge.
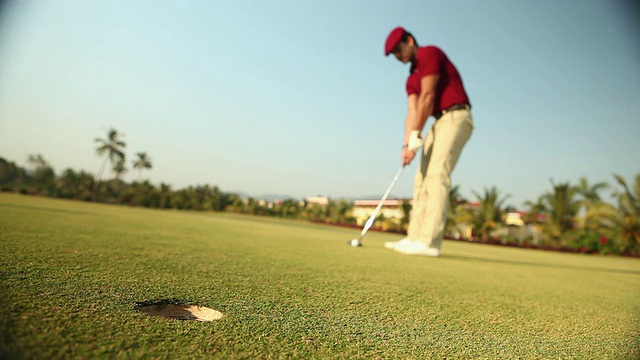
(180, 312)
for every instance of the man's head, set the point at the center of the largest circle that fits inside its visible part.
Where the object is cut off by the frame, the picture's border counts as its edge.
(401, 44)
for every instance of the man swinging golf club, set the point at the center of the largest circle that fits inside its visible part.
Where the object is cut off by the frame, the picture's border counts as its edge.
(434, 87)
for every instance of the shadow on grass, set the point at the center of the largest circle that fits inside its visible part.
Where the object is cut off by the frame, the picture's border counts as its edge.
(536, 264)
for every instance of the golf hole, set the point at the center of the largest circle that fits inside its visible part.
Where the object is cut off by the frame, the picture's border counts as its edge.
(181, 312)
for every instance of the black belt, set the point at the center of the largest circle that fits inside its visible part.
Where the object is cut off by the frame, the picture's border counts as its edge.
(455, 107)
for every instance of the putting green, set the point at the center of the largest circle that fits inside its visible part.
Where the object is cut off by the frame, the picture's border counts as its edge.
(72, 274)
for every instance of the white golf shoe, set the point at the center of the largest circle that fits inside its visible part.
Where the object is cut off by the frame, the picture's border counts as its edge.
(415, 248)
(392, 244)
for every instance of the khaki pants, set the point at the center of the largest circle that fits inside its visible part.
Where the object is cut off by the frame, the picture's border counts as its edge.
(441, 151)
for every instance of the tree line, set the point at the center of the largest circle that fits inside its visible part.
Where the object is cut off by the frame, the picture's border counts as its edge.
(569, 216)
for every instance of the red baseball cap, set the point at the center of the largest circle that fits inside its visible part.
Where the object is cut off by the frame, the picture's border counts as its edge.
(393, 39)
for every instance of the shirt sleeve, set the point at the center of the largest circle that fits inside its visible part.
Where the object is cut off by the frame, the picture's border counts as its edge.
(430, 60)
(412, 86)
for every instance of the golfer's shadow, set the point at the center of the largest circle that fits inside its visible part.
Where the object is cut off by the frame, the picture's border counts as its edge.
(535, 264)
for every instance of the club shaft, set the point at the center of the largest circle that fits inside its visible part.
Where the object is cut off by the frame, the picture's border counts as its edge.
(369, 222)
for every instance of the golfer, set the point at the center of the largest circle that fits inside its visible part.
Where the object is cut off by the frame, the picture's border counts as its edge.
(434, 88)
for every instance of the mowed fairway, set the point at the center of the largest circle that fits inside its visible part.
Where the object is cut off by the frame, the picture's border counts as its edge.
(72, 273)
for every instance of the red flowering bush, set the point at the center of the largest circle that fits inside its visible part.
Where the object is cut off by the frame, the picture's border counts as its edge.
(593, 243)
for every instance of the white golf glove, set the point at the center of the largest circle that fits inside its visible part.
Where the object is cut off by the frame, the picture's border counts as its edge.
(415, 140)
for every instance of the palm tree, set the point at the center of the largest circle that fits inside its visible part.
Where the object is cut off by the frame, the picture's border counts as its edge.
(112, 150)
(590, 192)
(37, 161)
(119, 169)
(406, 214)
(488, 217)
(561, 207)
(629, 214)
(591, 202)
(165, 196)
(11, 174)
(142, 162)
(458, 212)
(43, 176)
(75, 185)
(535, 209)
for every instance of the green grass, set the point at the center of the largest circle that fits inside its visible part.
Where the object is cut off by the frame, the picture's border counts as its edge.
(71, 274)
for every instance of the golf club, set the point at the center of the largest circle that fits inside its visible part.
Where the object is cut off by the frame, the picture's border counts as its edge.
(367, 225)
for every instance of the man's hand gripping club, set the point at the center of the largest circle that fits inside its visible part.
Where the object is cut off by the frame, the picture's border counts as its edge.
(409, 149)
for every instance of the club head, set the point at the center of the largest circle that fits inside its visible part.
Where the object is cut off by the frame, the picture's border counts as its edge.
(355, 243)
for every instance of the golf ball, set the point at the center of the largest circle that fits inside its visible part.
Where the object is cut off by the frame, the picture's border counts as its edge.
(355, 243)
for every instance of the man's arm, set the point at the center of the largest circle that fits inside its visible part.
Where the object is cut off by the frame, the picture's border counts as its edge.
(419, 109)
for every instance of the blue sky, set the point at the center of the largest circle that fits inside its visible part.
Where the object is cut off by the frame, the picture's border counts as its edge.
(297, 98)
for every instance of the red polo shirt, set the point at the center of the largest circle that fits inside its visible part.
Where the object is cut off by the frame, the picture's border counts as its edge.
(449, 91)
